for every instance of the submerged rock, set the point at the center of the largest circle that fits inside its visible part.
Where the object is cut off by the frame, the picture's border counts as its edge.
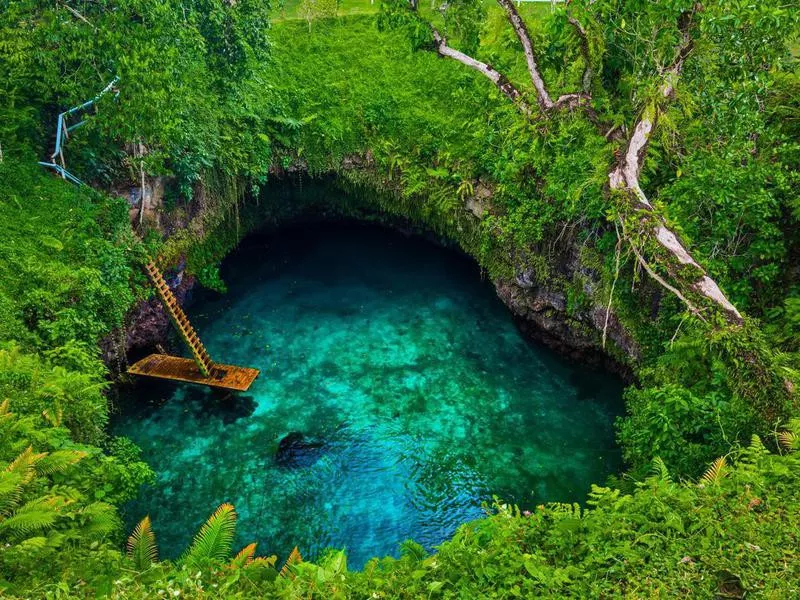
(294, 450)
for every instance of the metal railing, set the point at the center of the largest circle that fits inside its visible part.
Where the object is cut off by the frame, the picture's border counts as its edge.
(63, 130)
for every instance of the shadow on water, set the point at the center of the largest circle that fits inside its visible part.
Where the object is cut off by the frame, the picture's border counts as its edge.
(396, 397)
(144, 398)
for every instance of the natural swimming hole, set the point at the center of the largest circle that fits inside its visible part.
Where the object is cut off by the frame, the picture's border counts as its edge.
(403, 392)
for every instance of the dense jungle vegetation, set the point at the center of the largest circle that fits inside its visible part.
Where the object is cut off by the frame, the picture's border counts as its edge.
(216, 97)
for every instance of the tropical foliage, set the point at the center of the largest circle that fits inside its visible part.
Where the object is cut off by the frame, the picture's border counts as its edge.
(57, 503)
(732, 533)
(213, 100)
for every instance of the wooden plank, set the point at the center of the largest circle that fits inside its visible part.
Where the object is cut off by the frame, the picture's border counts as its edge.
(177, 368)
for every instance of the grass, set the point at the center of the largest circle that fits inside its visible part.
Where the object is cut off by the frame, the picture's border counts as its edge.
(286, 10)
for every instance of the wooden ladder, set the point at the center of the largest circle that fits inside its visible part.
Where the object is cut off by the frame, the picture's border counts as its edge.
(181, 321)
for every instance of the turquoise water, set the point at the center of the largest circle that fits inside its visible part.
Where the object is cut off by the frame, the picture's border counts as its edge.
(416, 396)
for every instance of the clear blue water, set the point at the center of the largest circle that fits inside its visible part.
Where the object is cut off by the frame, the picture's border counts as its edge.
(406, 375)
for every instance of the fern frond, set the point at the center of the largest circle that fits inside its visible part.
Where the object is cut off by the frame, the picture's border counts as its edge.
(4, 408)
(54, 416)
(244, 558)
(10, 490)
(25, 462)
(753, 453)
(659, 469)
(413, 550)
(262, 562)
(59, 461)
(142, 547)
(214, 540)
(789, 440)
(101, 520)
(36, 515)
(716, 472)
(30, 521)
(294, 558)
(34, 543)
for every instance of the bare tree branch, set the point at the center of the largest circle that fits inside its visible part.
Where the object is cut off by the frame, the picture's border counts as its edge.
(618, 253)
(79, 15)
(624, 178)
(500, 80)
(692, 308)
(542, 95)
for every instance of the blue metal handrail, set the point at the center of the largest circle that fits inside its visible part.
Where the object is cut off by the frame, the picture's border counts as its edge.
(63, 130)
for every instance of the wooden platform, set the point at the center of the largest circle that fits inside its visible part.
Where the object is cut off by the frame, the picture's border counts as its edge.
(176, 368)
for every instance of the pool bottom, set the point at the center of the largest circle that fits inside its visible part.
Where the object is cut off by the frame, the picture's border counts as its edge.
(403, 394)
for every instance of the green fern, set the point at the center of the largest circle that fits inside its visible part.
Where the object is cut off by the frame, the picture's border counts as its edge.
(54, 416)
(38, 542)
(659, 469)
(262, 562)
(59, 461)
(142, 547)
(755, 451)
(413, 550)
(37, 515)
(10, 491)
(214, 540)
(25, 462)
(99, 520)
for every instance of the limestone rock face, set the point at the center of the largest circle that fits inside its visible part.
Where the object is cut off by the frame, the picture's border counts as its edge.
(478, 204)
(542, 313)
(147, 326)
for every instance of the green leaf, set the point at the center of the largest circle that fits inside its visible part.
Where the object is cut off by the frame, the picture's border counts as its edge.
(51, 242)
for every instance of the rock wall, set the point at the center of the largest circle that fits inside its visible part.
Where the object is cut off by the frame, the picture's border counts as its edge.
(541, 313)
(541, 308)
(147, 327)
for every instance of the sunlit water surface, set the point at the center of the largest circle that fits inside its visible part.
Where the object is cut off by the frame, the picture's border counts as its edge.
(417, 398)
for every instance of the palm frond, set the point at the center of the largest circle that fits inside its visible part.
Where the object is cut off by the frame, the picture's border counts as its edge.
(214, 540)
(294, 558)
(716, 472)
(244, 558)
(142, 547)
